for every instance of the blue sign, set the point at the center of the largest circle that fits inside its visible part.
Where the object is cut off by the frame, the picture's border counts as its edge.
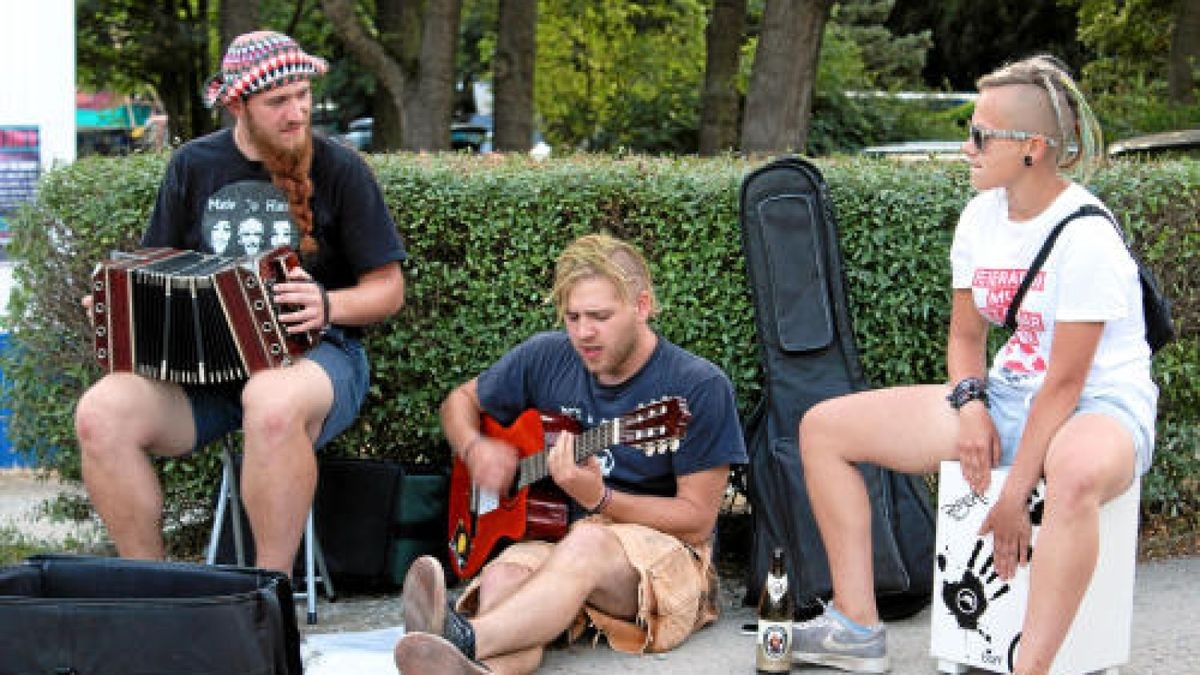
(20, 167)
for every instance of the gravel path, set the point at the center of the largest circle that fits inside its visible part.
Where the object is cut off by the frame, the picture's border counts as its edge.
(23, 497)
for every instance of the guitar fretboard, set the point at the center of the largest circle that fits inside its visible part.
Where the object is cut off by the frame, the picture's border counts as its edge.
(604, 435)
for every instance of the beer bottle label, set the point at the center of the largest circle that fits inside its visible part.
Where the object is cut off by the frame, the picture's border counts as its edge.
(776, 587)
(774, 646)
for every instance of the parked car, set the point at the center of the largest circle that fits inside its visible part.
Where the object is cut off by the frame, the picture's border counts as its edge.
(474, 135)
(358, 133)
(1184, 142)
(918, 150)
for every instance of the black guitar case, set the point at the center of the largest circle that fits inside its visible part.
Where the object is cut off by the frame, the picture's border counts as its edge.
(794, 263)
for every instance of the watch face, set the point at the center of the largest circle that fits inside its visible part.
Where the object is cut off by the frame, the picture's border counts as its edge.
(247, 218)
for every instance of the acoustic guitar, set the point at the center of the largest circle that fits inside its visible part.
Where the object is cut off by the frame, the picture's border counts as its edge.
(480, 520)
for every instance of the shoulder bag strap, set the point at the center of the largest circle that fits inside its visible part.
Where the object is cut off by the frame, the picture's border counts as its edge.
(1010, 319)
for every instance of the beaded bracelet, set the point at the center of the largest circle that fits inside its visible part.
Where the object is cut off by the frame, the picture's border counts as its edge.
(968, 389)
(604, 500)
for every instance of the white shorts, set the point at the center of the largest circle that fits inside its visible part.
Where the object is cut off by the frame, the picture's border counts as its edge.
(1009, 408)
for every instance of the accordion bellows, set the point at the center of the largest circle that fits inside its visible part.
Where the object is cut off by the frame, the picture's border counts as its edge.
(192, 318)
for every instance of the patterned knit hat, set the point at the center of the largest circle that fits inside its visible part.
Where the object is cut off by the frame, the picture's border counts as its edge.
(259, 61)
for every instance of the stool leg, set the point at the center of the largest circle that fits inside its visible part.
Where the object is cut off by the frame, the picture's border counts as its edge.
(310, 574)
(326, 580)
(214, 539)
(227, 501)
(235, 502)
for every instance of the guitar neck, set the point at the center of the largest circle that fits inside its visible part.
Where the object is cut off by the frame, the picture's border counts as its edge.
(605, 435)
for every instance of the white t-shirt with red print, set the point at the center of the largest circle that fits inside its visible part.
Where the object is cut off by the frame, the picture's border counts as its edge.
(1088, 276)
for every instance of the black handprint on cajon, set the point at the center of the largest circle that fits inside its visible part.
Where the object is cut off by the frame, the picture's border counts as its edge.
(967, 599)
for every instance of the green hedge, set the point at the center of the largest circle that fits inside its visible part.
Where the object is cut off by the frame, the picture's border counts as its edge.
(483, 234)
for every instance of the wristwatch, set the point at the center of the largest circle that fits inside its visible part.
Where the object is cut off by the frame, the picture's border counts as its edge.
(968, 389)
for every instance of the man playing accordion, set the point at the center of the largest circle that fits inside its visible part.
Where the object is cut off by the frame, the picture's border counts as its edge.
(237, 192)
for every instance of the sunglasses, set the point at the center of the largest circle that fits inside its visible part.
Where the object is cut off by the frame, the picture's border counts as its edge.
(980, 135)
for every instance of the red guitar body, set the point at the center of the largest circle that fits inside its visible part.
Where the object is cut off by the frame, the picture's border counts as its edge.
(537, 511)
(536, 508)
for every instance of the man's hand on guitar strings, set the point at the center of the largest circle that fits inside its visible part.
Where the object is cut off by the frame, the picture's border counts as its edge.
(492, 464)
(582, 482)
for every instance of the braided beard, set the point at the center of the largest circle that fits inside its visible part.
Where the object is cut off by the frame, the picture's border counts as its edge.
(289, 169)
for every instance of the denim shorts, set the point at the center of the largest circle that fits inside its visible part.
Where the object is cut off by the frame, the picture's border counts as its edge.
(1009, 409)
(217, 409)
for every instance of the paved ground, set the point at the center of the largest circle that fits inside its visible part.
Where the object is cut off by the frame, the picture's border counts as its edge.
(1166, 636)
(1166, 619)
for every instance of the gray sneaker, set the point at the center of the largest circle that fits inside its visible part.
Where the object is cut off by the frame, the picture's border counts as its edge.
(828, 640)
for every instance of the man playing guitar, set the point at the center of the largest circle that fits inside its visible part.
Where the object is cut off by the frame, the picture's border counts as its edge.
(637, 561)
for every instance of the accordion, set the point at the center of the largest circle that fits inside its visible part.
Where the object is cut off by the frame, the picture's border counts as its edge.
(192, 318)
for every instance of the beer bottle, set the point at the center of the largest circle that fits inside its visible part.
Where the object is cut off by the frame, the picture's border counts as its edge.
(774, 650)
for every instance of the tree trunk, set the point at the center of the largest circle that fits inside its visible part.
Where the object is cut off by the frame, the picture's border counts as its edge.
(367, 51)
(399, 23)
(512, 71)
(427, 119)
(779, 103)
(234, 18)
(1185, 53)
(719, 102)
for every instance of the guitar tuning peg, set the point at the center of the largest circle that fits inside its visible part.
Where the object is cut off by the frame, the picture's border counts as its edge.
(674, 445)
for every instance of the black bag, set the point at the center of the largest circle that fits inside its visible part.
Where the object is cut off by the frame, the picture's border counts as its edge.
(793, 259)
(372, 518)
(76, 614)
(1156, 308)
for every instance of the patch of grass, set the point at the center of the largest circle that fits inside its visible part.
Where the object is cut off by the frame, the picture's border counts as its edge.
(15, 546)
(1163, 536)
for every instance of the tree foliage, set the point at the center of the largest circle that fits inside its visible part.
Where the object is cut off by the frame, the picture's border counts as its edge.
(1128, 74)
(890, 61)
(159, 45)
(973, 37)
(620, 75)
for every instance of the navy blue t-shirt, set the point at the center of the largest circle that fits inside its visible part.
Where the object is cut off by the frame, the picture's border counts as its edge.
(545, 373)
(214, 200)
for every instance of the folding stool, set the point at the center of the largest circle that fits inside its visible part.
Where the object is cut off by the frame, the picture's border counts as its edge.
(228, 498)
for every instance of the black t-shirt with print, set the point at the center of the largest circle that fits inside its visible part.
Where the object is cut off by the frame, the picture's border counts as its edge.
(213, 199)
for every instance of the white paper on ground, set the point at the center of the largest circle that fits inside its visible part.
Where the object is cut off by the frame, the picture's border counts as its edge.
(362, 653)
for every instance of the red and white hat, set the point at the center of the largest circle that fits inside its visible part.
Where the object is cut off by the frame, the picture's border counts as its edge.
(257, 62)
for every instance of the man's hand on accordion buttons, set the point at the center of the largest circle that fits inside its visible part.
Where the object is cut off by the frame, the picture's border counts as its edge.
(86, 301)
(302, 302)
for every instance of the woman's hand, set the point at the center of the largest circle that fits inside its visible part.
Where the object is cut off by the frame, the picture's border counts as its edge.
(1008, 523)
(978, 445)
(582, 482)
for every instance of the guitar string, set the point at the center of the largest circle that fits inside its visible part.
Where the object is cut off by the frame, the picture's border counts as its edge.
(534, 468)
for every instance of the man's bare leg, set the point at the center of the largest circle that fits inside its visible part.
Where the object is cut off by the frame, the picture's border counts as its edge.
(283, 413)
(120, 421)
